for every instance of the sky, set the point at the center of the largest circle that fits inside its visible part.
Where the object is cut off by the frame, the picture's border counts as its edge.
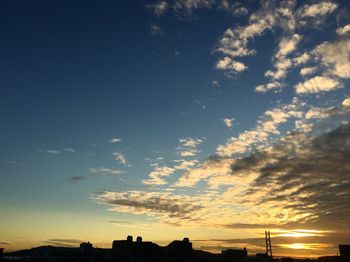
(209, 119)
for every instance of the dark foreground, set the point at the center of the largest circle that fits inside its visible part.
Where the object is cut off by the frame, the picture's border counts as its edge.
(139, 251)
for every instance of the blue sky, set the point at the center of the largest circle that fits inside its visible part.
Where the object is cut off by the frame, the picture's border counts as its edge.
(144, 115)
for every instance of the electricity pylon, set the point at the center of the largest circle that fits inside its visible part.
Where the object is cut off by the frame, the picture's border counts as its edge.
(268, 243)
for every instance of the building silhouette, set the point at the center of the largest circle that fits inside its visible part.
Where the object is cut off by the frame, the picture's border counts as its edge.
(344, 251)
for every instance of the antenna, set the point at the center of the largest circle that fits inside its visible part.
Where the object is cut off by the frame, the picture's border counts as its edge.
(268, 243)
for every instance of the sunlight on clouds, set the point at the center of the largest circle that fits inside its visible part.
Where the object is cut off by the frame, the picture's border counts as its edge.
(318, 84)
(343, 30)
(318, 9)
(299, 233)
(308, 71)
(310, 246)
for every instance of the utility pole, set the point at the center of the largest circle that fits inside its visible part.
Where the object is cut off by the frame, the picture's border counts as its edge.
(268, 243)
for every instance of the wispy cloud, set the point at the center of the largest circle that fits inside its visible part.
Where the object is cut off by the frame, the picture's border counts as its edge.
(159, 8)
(121, 158)
(115, 140)
(343, 30)
(188, 146)
(77, 178)
(228, 122)
(267, 126)
(308, 70)
(104, 170)
(71, 150)
(64, 242)
(155, 30)
(51, 151)
(149, 203)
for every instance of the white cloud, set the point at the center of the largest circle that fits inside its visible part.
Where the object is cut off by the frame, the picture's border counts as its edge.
(267, 126)
(234, 42)
(228, 122)
(346, 103)
(308, 70)
(103, 170)
(155, 30)
(160, 173)
(282, 63)
(318, 84)
(156, 177)
(319, 112)
(335, 57)
(186, 7)
(270, 86)
(236, 8)
(343, 30)
(51, 151)
(71, 150)
(228, 64)
(120, 157)
(215, 83)
(302, 59)
(159, 8)
(319, 9)
(188, 147)
(115, 140)
(288, 45)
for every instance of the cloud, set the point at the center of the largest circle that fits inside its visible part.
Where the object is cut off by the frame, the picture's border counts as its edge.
(309, 177)
(270, 86)
(302, 59)
(215, 83)
(335, 57)
(163, 204)
(71, 150)
(236, 8)
(346, 103)
(188, 147)
(319, 113)
(159, 8)
(343, 30)
(271, 119)
(156, 177)
(103, 170)
(319, 9)
(288, 45)
(228, 64)
(282, 63)
(77, 178)
(120, 158)
(318, 84)
(160, 173)
(51, 151)
(155, 30)
(234, 42)
(64, 242)
(115, 140)
(308, 70)
(186, 7)
(228, 122)
(301, 180)
(210, 168)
